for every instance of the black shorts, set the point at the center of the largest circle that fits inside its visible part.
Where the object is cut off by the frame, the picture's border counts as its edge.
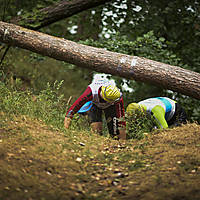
(179, 117)
(95, 115)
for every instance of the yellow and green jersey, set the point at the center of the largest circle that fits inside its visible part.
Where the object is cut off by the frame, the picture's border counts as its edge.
(162, 109)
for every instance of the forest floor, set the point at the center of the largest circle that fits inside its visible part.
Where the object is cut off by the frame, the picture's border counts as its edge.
(38, 162)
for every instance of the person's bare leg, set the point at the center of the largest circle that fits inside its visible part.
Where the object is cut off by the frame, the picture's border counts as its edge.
(96, 127)
(122, 134)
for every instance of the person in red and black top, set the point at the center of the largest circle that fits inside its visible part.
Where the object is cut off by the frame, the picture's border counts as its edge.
(106, 98)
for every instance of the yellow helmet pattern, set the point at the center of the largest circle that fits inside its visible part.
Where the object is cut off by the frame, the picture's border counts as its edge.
(132, 107)
(110, 93)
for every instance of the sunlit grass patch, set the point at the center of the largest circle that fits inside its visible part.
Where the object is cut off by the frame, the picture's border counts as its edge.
(48, 105)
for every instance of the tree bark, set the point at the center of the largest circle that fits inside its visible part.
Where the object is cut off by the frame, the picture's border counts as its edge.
(56, 12)
(130, 67)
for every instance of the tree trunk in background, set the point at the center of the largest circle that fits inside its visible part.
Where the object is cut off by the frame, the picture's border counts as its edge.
(130, 67)
(82, 19)
(56, 12)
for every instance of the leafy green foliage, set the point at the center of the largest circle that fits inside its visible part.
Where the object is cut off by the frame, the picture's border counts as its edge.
(12, 8)
(48, 106)
(35, 71)
(148, 46)
(80, 122)
(176, 21)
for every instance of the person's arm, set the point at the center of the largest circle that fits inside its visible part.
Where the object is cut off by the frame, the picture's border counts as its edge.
(121, 114)
(85, 97)
(159, 117)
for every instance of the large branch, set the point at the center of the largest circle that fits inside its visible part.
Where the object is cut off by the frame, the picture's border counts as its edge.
(130, 67)
(56, 12)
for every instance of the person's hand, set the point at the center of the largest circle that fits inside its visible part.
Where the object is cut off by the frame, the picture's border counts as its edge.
(67, 122)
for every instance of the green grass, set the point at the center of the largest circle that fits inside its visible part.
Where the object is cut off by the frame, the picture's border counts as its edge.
(138, 125)
(47, 105)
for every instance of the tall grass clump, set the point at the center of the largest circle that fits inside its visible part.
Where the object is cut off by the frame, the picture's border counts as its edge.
(138, 123)
(80, 122)
(48, 106)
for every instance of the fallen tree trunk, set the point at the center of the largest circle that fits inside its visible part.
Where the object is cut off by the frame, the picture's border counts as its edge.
(130, 67)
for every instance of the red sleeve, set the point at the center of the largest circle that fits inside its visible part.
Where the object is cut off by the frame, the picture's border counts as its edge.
(85, 97)
(120, 111)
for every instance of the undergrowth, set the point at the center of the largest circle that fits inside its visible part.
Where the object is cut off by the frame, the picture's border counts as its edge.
(138, 125)
(47, 106)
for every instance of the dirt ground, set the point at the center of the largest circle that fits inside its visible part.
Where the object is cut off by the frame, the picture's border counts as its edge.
(40, 163)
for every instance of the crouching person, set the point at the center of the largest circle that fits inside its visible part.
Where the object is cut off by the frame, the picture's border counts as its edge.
(107, 98)
(165, 111)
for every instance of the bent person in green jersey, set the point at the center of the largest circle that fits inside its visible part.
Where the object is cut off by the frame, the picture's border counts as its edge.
(165, 111)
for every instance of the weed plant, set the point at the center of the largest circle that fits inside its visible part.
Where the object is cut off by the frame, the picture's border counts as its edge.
(138, 124)
(47, 106)
(80, 122)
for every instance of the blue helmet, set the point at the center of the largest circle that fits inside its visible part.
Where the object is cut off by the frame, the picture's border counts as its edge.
(86, 107)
